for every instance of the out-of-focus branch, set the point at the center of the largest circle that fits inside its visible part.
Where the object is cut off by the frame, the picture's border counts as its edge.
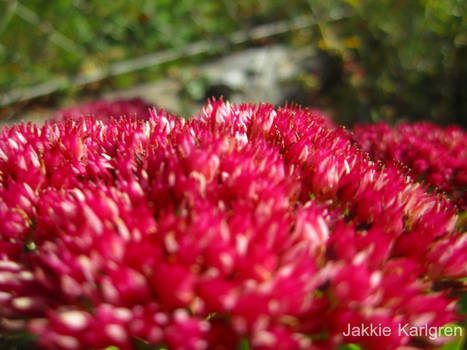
(154, 59)
(46, 27)
(10, 9)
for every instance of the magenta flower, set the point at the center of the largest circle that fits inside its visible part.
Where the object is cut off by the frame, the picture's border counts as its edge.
(104, 110)
(434, 155)
(246, 226)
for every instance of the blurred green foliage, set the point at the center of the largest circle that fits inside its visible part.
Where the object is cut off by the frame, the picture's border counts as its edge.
(101, 32)
(387, 59)
(400, 58)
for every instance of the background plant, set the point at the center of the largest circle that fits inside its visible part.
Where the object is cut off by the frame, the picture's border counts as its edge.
(389, 59)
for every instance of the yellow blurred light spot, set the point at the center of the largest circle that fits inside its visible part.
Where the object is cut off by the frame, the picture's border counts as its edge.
(352, 42)
(322, 44)
(354, 3)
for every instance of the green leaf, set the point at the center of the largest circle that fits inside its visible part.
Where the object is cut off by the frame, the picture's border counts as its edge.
(455, 345)
(17, 341)
(349, 347)
(244, 345)
(463, 303)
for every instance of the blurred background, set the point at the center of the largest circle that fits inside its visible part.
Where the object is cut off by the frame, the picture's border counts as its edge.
(359, 60)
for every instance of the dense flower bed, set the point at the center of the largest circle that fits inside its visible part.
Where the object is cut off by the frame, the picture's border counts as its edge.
(433, 154)
(246, 226)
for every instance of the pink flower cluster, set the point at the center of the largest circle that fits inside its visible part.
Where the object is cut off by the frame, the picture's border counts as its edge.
(246, 226)
(105, 110)
(433, 154)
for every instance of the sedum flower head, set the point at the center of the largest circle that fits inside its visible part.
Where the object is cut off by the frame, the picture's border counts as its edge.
(433, 154)
(246, 225)
(105, 110)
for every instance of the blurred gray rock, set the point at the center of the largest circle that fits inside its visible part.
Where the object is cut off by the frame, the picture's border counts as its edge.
(255, 74)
